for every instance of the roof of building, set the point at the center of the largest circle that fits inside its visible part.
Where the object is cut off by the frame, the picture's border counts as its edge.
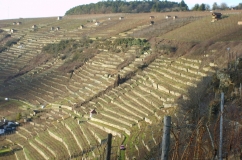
(93, 111)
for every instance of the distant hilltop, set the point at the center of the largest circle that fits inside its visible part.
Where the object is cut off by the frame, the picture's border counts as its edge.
(127, 7)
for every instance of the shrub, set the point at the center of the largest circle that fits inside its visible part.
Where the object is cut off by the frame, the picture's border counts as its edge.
(167, 48)
(2, 48)
(66, 46)
(130, 42)
(7, 35)
(11, 42)
(126, 43)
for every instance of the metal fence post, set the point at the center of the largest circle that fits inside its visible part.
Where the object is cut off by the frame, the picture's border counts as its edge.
(221, 127)
(166, 138)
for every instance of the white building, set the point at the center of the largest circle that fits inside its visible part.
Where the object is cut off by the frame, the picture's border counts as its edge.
(59, 18)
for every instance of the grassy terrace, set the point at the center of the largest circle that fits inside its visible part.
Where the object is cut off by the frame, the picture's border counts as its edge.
(19, 154)
(53, 145)
(76, 131)
(65, 136)
(41, 149)
(27, 149)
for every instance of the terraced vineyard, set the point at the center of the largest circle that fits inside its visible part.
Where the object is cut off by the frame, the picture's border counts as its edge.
(130, 100)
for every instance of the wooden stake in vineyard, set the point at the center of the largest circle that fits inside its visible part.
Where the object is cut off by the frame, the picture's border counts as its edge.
(109, 146)
(166, 138)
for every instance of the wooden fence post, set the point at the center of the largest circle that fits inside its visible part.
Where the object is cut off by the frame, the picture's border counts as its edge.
(240, 90)
(166, 138)
(221, 127)
(109, 145)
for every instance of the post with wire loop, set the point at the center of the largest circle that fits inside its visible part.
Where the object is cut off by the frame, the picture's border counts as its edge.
(166, 138)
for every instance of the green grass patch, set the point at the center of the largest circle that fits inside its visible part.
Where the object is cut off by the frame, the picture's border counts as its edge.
(125, 141)
(5, 151)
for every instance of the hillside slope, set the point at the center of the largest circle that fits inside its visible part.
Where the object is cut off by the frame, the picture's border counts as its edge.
(70, 86)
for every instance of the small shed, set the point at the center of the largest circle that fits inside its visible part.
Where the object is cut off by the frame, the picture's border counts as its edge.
(12, 30)
(19, 23)
(216, 16)
(152, 17)
(152, 22)
(35, 112)
(92, 112)
(57, 28)
(167, 16)
(120, 18)
(109, 18)
(34, 26)
(14, 23)
(97, 23)
(59, 18)
(81, 27)
(175, 17)
(6, 99)
(52, 28)
(239, 22)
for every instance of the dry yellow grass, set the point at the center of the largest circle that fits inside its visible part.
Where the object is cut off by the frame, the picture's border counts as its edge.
(204, 29)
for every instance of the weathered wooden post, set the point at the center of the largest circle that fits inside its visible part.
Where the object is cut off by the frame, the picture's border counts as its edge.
(228, 53)
(166, 138)
(235, 65)
(240, 90)
(228, 57)
(221, 127)
(109, 145)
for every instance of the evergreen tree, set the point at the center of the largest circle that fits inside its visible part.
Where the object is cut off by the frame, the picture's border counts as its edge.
(196, 7)
(202, 7)
(183, 5)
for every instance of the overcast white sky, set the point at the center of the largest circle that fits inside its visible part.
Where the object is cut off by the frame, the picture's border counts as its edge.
(10, 9)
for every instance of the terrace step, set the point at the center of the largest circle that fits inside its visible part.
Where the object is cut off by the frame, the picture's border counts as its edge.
(106, 128)
(99, 134)
(113, 123)
(74, 128)
(41, 149)
(128, 109)
(118, 118)
(62, 134)
(20, 154)
(88, 135)
(121, 113)
(31, 153)
(54, 146)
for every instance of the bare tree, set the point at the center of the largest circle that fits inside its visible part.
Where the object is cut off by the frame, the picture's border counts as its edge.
(224, 6)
